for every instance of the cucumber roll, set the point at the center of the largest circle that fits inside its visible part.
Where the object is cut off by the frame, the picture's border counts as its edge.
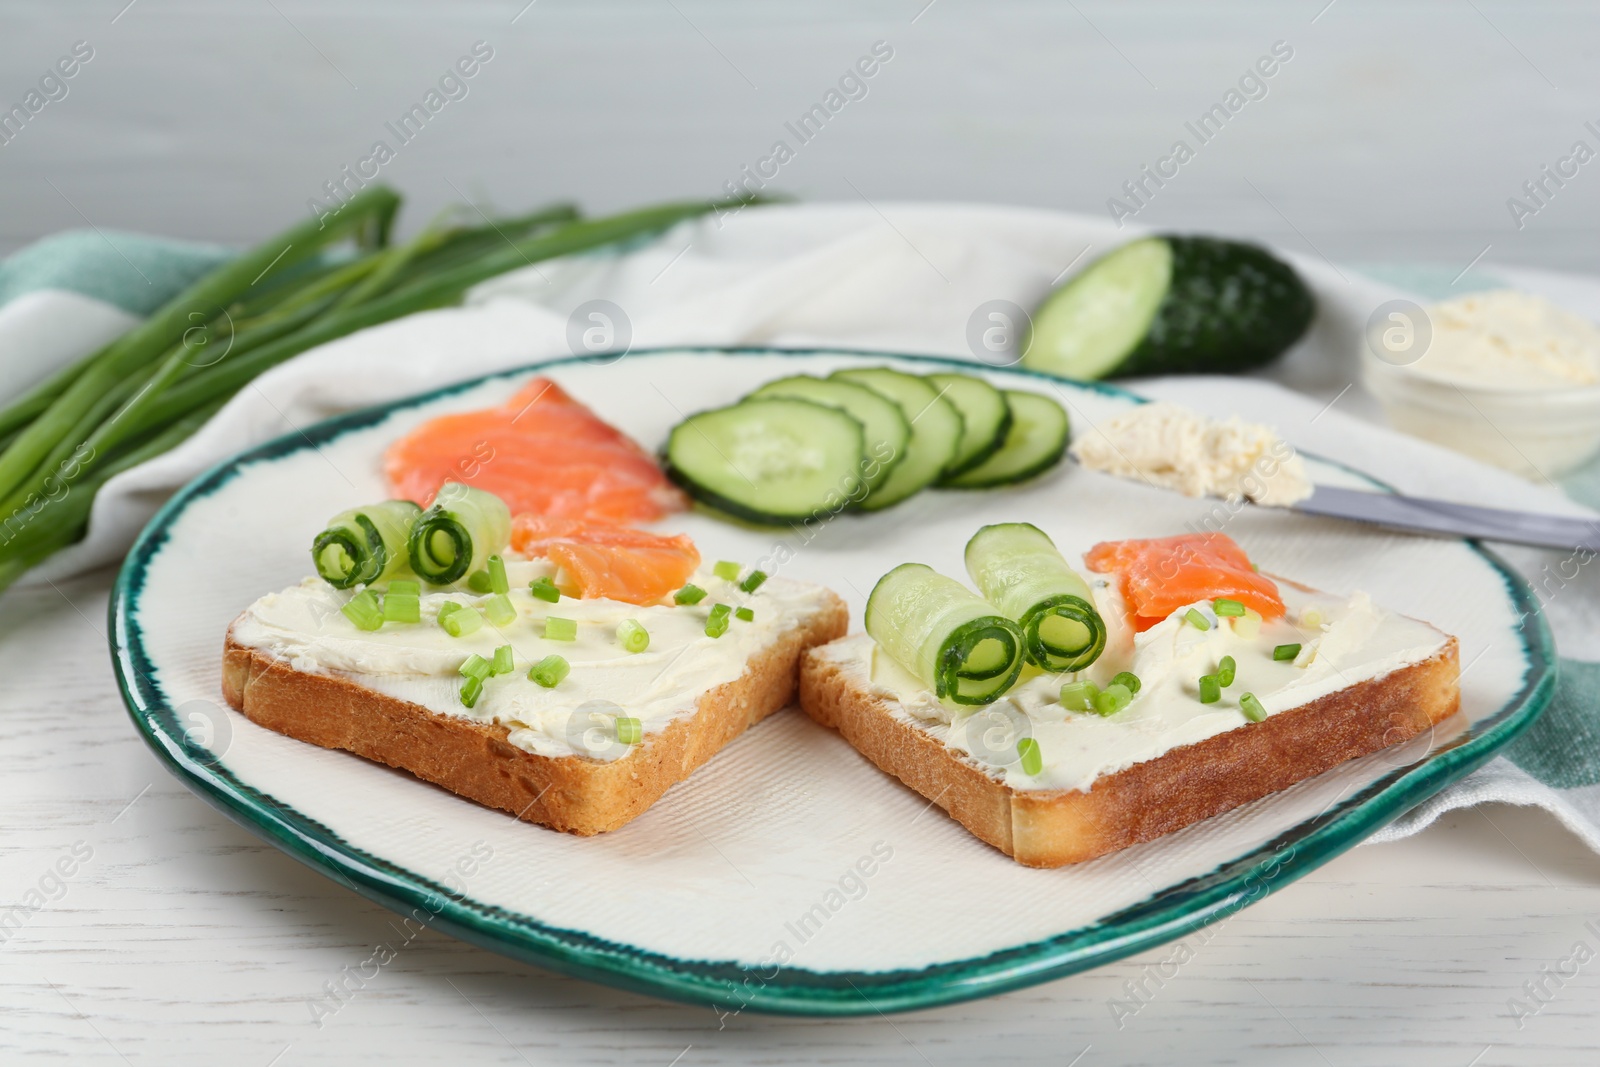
(1019, 570)
(458, 534)
(364, 545)
(952, 641)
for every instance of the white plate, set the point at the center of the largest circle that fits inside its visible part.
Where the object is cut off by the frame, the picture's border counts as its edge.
(788, 874)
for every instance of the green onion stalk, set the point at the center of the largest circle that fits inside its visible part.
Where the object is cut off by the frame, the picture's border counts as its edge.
(141, 394)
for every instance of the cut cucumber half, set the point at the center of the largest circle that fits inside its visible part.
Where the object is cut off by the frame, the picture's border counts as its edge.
(935, 432)
(773, 461)
(985, 418)
(1170, 305)
(1035, 443)
(886, 426)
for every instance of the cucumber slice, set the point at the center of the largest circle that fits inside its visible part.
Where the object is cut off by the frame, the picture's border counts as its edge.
(1019, 570)
(1170, 305)
(950, 640)
(985, 418)
(1035, 443)
(885, 424)
(935, 431)
(773, 461)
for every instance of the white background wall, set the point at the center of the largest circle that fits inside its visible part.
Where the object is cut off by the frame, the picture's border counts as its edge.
(1397, 130)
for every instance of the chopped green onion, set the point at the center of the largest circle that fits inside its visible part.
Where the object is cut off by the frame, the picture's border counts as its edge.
(363, 610)
(401, 607)
(1252, 708)
(1197, 620)
(744, 614)
(1210, 689)
(1032, 760)
(629, 730)
(1128, 680)
(632, 636)
(478, 581)
(752, 581)
(405, 587)
(549, 671)
(497, 575)
(499, 611)
(689, 594)
(1248, 625)
(717, 621)
(504, 661)
(471, 690)
(1285, 652)
(1079, 696)
(544, 589)
(475, 666)
(559, 629)
(1225, 607)
(460, 622)
(447, 607)
(1225, 671)
(1112, 699)
(727, 570)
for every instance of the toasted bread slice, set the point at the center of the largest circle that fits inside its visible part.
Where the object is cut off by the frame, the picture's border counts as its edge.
(1051, 828)
(475, 760)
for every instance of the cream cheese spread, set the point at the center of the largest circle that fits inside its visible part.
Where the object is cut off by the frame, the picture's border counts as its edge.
(1509, 340)
(1343, 642)
(1175, 448)
(418, 663)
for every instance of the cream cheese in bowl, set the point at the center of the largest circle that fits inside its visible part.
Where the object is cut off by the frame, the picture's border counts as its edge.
(1505, 376)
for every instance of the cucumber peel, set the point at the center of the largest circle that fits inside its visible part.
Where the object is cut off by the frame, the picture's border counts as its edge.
(985, 418)
(935, 431)
(1035, 443)
(770, 460)
(886, 426)
(1170, 305)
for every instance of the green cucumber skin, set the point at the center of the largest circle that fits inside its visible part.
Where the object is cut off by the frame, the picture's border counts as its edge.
(1230, 307)
(977, 458)
(872, 378)
(976, 478)
(712, 498)
(982, 456)
(807, 387)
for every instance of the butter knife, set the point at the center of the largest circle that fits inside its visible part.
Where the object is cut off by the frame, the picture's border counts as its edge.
(1422, 515)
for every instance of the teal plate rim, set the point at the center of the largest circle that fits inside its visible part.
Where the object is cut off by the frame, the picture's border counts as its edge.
(1163, 917)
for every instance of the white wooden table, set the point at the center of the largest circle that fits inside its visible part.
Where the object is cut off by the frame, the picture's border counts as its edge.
(1396, 132)
(179, 938)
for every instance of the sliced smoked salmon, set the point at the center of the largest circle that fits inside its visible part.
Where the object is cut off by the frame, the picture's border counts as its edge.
(604, 560)
(541, 452)
(1162, 574)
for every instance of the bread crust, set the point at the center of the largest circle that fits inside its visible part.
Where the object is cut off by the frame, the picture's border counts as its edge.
(474, 760)
(1052, 828)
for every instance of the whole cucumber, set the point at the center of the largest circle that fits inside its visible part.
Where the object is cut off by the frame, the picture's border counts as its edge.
(1171, 305)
